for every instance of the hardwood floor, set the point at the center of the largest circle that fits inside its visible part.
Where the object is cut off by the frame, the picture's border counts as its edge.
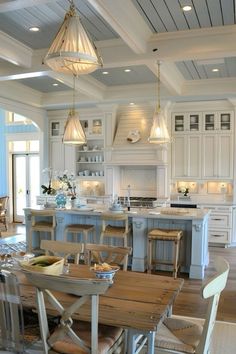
(189, 301)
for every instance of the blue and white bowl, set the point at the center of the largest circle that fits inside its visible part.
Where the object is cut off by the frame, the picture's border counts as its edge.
(105, 274)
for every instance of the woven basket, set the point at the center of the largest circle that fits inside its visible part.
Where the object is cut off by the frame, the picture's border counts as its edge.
(55, 267)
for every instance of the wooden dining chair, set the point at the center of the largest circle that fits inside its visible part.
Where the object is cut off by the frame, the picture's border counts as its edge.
(180, 336)
(74, 336)
(109, 254)
(3, 212)
(16, 336)
(64, 249)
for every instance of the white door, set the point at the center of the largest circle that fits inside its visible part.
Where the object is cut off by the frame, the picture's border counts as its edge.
(26, 183)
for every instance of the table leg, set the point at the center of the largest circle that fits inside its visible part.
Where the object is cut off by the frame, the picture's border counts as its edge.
(136, 341)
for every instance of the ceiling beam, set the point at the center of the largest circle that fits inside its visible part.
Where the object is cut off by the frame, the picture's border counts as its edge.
(131, 28)
(84, 84)
(204, 43)
(14, 51)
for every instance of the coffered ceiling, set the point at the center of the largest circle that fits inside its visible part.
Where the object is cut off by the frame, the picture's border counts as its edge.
(131, 36)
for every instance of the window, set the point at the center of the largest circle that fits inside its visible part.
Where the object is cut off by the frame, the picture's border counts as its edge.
(24, 146)
(17, 118)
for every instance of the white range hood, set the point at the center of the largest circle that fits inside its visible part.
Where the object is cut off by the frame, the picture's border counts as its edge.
(131, 146)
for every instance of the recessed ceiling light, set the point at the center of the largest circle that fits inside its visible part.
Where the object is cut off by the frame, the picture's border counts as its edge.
(187, 8)
(55, 84)
(215, 70)
(131, 103)
(105, 72)
(34, 29)
(127, 70)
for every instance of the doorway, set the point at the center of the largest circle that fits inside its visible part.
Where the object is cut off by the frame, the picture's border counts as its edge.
(26, 183)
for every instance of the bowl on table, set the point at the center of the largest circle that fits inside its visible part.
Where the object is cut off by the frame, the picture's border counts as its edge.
(104, 271)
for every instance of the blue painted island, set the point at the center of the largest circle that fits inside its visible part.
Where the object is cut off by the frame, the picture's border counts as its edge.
(194, 223)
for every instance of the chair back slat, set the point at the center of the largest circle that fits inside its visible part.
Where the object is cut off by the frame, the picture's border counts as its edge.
(109, 254)
(64, 249)
(11, 313)
(212, 290)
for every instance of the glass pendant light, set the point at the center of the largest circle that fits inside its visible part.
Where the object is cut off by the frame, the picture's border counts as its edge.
(72, 51)
(73, 133)
(159, 133)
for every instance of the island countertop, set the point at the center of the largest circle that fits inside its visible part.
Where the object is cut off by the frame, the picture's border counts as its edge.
(160, 212)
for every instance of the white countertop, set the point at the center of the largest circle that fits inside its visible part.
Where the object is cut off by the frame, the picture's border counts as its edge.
(162, 213)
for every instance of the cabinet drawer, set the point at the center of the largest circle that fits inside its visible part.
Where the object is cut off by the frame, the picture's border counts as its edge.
(220, 220)
(219, 236)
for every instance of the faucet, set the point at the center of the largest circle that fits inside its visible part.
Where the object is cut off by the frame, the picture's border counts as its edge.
(128, 197)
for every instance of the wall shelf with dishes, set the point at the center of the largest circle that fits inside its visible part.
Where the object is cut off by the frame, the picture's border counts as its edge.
(90, 159)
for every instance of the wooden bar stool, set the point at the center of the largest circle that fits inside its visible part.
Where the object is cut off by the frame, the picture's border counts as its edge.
(115, 231)
(41, 221)
(164, 235)
(76, 229)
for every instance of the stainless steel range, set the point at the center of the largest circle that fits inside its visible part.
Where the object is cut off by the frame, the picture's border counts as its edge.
(138, 202)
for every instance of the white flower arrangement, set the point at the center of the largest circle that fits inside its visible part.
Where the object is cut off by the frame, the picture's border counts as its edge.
(67, 182)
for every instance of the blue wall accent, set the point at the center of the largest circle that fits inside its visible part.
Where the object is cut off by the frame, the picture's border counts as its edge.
(3, 172)
(4, 130)
(21, 128)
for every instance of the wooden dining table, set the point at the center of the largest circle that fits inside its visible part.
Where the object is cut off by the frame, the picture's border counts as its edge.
(135, 301)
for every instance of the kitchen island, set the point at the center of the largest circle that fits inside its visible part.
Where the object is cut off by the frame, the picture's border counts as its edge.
(193, 222)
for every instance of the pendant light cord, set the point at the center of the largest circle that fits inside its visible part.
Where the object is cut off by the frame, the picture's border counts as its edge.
(158, 86)
(73, 101)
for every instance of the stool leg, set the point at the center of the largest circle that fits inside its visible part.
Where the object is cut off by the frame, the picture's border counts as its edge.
(125, 241)
(176, 257)
(65, 234)
(149, 270)
(30, 242)
(85, 237)
(101, 238)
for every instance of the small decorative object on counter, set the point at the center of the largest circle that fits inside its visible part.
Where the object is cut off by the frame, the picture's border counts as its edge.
(61, 199)
(184, 190)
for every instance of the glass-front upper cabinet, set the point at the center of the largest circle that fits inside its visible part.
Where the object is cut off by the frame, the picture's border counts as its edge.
(221, 121)
(186, 122)
(93, 127)
(56, 128)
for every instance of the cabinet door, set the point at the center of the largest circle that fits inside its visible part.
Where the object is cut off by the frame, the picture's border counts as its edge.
(218, 156)
(225, 156)
(62, 157)
(93, 127)
(193, 160)
(70, 158)
(179, 157)
(186, 154)
(57, 155)
(209, 164)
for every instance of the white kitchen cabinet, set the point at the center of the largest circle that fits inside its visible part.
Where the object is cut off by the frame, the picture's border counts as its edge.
(220, 224)
(202, 145)
(186, 122)
(217, 121)
(93, 128)
(186, 156)
(62, 156)
(56, 128)
(217, 156)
